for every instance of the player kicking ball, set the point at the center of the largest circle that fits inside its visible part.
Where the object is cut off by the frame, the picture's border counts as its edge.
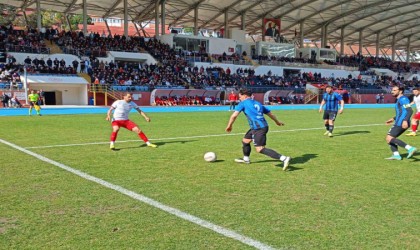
(120, 119)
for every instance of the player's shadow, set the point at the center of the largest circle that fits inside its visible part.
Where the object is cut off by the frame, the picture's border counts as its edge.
(216, 161)
(351, 133)
(299, 160)
(159, 144)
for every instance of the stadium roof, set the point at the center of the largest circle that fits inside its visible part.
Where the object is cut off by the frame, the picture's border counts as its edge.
(388, 17)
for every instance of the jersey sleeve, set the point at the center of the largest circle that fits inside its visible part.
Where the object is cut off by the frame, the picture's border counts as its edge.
(114, 104)
(405, 102)
(265, 109)
(240, 107)
(134, 105)
(338, 96)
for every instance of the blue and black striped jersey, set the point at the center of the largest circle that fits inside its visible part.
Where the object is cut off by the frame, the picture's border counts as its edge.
(331, 101)
(254, 112)
(403, 110)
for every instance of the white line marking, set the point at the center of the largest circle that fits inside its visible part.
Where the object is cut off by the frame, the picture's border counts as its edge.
(198, 136)
(178, 213)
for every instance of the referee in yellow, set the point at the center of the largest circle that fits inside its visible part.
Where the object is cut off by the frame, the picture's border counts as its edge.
(33, 102)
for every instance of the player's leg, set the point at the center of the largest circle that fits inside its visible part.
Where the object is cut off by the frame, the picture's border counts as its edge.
(260, 139)
(114, 134)
(31, 105)
(331, 120)
(246, 148)
(414, 124)
(133, 127)
(393, 141)
(326, 123)
(37, 109)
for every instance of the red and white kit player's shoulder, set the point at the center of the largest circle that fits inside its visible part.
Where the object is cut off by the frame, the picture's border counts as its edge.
(416, 101)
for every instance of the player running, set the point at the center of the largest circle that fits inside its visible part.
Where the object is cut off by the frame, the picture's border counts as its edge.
(257, 134)
(416, 117)
(120, 119)
(401, 122)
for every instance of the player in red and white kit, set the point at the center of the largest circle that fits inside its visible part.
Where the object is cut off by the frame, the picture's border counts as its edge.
(120, 119)
(416, 118)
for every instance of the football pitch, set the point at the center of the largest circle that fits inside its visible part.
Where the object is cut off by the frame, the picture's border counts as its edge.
(63, 188)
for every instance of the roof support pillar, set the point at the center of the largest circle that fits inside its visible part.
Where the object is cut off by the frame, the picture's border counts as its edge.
(361, 42)
(225, 34)
(408, 59)
(163, 16)
(324, 37)
(262, 29)
(68, 22)
(342, 41)
(125, 18)
(196, 20)
(157, 19)
(301, 34)
(84, 17)
(38, 15)
(378, 37)
(107, 27)
(393, 47)
(25, 17)
(243, 21)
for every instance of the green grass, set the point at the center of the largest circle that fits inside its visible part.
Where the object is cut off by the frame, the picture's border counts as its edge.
(339, 194)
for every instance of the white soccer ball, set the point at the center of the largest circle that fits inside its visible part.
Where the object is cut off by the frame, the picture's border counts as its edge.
(210, 157)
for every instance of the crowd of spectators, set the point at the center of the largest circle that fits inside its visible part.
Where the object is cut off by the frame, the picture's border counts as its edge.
(174, 68)
(26, 41)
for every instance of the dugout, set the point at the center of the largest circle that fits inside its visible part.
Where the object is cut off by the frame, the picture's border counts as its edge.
(277, 97)
(186, 97)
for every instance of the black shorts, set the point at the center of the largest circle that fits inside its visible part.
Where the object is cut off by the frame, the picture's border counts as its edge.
(330, 115)
(32, 104)
(396, 131)
(258, 136)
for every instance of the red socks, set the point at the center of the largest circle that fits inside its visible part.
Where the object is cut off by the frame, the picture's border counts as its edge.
(114, 136)
(143, 137)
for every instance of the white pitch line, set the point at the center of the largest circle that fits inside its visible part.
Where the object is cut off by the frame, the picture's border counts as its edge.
(178, 213)
(197, 136)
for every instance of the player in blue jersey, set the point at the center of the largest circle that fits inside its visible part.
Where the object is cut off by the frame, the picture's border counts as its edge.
(401, 122)
(331, 100)
(254, 112)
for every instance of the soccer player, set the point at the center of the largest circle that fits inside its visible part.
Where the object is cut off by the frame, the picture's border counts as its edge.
(401, 124)
(33, 102)
(255, 112)
(120, 119)
(331, 100)
(416, 117)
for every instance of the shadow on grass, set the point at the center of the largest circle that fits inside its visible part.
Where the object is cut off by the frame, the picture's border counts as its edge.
(159, 144)
(351, 133)
(216, 161)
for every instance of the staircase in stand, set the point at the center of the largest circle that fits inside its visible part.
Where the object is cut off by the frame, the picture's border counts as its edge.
(310, 97)
(54, 49)
(249, 59)
(107, 91)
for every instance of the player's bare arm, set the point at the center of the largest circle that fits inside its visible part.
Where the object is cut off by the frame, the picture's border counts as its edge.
(274, 118)
(143, 114)
(108, 115)
(389, 121)
(231, 121)
(322, 105)
(342, 107)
